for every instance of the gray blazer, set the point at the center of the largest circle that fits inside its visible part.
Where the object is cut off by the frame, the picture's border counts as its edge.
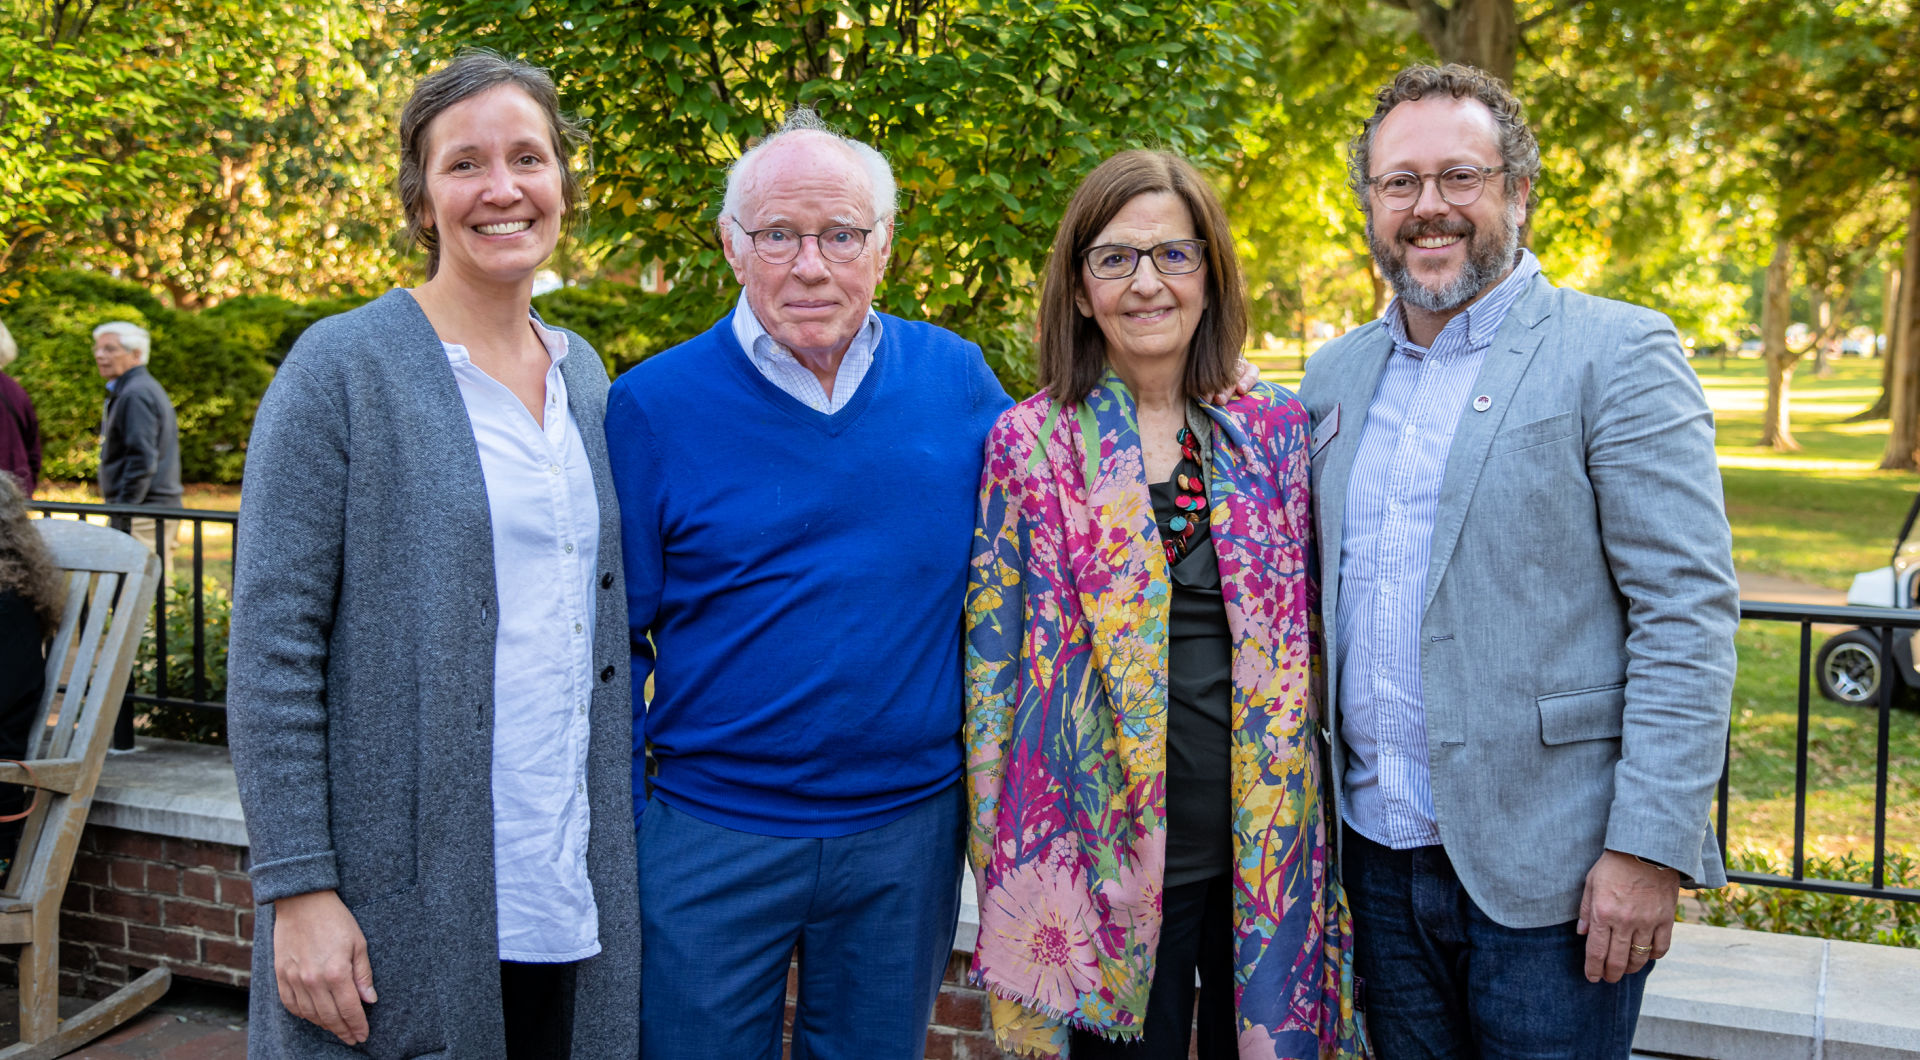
(1576, 643)
(360, 692)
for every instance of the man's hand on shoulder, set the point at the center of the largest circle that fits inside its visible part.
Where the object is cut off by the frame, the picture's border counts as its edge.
(1245, 375)
(1626, 913)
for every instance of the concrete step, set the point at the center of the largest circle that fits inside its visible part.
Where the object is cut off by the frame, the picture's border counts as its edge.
(1727, 994)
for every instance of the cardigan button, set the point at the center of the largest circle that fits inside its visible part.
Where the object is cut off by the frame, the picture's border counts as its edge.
(606, 675)
(606, 580)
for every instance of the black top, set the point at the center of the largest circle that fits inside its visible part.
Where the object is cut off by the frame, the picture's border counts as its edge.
(23, 676)
(1199, 709)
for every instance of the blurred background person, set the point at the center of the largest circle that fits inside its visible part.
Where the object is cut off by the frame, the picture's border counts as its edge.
(19, 424)
(139, 437)
(30, 605)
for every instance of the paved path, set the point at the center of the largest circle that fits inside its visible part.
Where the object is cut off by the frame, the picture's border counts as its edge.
(1778, 590)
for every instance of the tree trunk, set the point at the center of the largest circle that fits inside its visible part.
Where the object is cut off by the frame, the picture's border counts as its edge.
(1890, 331)
(1482, 33)
(1823, 327)
(1379, 288)
(1903, 434)
(1776, 431)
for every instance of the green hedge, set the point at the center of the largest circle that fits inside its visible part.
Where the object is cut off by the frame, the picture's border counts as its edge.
(616, 318)
(214, 377)
(216, 364)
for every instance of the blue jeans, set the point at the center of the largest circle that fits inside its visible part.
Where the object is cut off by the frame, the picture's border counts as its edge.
(1444, 980)
(722, 913)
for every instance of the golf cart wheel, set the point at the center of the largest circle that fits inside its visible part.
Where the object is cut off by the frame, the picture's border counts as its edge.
(1850, 668)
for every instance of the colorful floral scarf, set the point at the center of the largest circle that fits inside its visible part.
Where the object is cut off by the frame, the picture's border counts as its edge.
(1066, 729)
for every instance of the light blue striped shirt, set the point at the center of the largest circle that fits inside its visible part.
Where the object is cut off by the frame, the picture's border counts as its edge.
(785, 371)
(1386, 542)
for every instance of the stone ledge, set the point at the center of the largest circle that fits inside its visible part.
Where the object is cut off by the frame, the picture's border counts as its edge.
(1728, 994)
(171, 788)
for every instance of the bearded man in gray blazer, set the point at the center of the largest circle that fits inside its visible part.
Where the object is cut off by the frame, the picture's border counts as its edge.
(1529, 605)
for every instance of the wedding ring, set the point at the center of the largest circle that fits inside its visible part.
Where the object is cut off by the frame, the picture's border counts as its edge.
(1641, 949)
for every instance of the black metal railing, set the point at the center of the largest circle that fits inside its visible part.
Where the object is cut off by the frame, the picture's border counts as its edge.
(197, 693)
(1884, 621)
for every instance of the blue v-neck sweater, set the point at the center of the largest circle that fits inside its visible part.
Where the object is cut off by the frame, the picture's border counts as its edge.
(800, 577)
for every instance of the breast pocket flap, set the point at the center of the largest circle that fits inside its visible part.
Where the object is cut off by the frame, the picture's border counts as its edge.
(1539, 432)
(1582, 714)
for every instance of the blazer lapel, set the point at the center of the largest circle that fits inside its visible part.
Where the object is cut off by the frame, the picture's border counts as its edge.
(1500, 375)
(1354, 393)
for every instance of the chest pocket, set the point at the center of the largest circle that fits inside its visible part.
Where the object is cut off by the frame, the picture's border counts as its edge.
(1539, 432)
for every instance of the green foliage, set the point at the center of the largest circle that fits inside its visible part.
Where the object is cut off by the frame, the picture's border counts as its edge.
(269, 324)
(620, 321)
(1829, 916)
(213, 378)
(990, 112)
(204, 147)
(180, 723)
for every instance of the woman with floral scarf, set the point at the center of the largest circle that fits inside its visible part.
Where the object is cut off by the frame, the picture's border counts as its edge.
(1144, 759)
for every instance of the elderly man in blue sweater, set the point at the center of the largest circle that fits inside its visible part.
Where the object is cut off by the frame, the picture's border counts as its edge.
(797, 488)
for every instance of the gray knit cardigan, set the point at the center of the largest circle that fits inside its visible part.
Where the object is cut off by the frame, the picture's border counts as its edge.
(360, 695)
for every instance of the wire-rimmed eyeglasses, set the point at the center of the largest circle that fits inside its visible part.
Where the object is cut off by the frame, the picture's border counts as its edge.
(778, 246)
(1458, 185)
(1117, 261)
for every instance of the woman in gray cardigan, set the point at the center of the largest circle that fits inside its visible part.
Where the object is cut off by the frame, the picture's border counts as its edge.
(429, 697)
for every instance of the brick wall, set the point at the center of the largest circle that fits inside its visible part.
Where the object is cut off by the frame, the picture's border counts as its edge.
(137, 901)
(959, 1030)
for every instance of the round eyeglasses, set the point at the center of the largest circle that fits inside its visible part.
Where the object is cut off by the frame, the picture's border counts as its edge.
(778, 246)
(1117, 261)
(1458, 186)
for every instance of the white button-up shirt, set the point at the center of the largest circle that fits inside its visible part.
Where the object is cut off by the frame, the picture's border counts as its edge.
(1393, 495)
(785, 371)
(546, 541)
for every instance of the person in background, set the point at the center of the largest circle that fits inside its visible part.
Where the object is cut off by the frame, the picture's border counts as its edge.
(19, 425)
(30, 606)
(1142, 733)
(428, 695)
(139, 438)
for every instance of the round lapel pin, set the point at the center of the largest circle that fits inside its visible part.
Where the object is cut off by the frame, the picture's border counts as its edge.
(1482, 403)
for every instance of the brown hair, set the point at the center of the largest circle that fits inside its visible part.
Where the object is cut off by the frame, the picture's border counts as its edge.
(1072, 349)
(26, 567)
(474, 72)
(1519, 151)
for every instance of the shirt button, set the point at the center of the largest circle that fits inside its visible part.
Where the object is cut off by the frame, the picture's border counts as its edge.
(580, 786)
(606, 675)
(552, 469)
(567, 548)
(577, 627)
(582, 709)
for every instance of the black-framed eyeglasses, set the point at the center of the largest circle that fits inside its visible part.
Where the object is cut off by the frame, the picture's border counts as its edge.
(1117, 261)
(1458, 186)
(778, 246)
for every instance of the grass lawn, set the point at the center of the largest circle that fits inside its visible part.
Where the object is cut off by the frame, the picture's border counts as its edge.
(1820, 515)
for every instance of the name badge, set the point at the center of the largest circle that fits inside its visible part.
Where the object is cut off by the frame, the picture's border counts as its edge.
(1324, 432)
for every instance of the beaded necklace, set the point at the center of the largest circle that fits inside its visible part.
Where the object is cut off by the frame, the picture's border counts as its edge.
(1189, 499)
